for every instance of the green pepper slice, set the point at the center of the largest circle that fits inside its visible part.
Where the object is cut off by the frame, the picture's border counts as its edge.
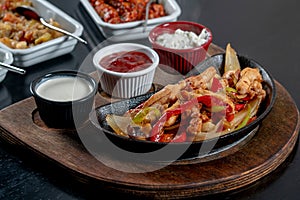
(140, 116)
(246, 119)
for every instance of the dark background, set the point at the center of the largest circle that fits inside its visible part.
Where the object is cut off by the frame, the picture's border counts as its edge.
(266, 31)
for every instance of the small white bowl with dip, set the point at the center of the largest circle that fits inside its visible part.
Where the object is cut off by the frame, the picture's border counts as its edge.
(64, 99)
(133, 81)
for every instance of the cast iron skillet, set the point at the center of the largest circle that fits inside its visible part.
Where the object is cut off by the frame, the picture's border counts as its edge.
(190, 150)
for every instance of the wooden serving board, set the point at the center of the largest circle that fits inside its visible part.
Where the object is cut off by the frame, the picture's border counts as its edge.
(270, 146)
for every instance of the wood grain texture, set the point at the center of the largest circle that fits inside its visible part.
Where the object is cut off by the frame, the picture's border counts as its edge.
(272, 144)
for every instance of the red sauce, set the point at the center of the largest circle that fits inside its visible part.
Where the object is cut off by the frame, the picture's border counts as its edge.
(126, 61)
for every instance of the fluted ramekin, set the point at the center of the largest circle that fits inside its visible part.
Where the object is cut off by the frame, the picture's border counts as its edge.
(126, 84)
(182, 60)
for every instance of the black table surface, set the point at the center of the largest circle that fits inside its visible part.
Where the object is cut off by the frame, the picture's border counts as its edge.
(266, 31)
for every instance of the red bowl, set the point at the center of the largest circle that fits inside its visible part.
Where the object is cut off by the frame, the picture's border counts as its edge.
(182, 60)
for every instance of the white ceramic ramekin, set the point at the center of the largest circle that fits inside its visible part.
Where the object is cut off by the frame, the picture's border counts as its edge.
(129, 84)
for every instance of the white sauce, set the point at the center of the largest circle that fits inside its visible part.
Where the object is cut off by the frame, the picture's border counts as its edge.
(183, 39)
(64, 89)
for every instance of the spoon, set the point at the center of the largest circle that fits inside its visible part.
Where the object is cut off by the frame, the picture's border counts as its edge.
(147, 15)
(31, 13)
(12, 68)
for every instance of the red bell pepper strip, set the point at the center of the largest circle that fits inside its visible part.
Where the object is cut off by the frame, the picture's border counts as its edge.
(207, 100)
(179, 138)
(247, 98)
(158, 126)
(239, 107)
(216, 85)
(210, 101)
(230, 117)
(251, 119)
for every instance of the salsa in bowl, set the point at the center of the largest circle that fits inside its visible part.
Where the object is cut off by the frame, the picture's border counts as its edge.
(126, 69)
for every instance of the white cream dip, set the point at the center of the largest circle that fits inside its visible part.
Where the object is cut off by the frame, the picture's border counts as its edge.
(183, 39)
(64, 88)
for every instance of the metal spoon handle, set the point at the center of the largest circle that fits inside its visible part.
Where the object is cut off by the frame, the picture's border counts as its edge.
(12, 68)
(62, 31)
(147, 15)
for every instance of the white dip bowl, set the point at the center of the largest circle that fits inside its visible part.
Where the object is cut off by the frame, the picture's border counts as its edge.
(125, 84)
